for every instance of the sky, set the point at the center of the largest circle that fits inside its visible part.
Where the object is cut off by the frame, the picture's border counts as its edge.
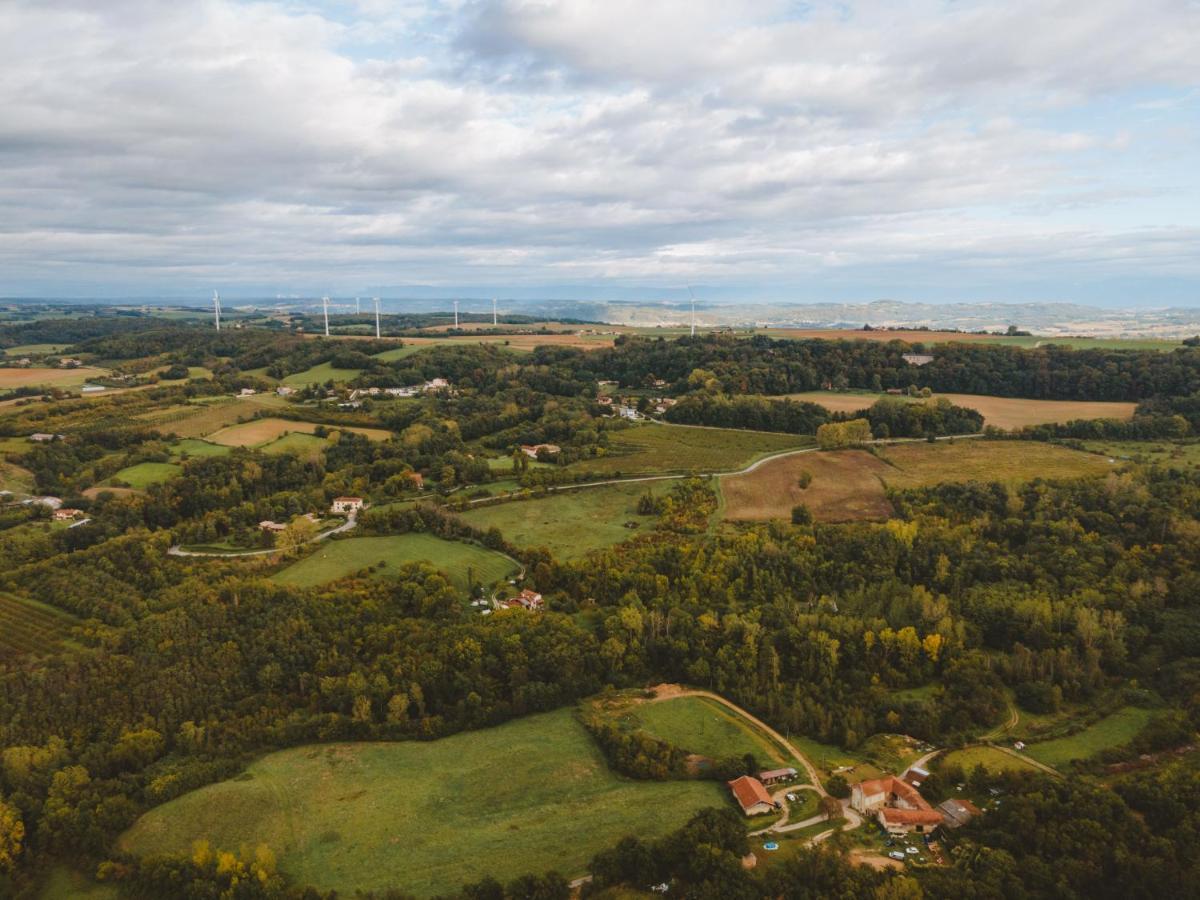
(759, 150)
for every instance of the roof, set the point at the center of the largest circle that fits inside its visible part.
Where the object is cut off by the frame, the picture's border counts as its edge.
(347, 499)
(749, 791)
(776, 773)
(911, 816)
(958, 812)
(921, 814)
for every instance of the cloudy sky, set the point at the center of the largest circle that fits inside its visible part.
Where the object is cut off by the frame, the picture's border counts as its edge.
(761, 149)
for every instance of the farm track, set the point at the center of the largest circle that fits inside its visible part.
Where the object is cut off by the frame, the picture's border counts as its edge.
(177, 550)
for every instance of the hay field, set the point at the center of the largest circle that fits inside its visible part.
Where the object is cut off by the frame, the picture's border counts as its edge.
(262, 431)
(427, 816)
(919, 464)
(846, 486)
(35, 375)
(646, 449)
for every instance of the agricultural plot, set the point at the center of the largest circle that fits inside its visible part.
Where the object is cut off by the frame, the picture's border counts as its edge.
(570, 523)
(199, 419)
(141, 476)
(306, 446)
(989, 757)
(336, 559)
(260, 432)
(15, 478)
(194, 447)
(1170, 454)
(1012, 463)
(1002, 412)
(27, 626)
(32, 350)
(702, 726)
(1111, 731)
(648, 448)
(320, 374)
(61, 378)
(425, 817)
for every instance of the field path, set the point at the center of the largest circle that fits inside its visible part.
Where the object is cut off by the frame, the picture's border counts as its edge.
(351, 521)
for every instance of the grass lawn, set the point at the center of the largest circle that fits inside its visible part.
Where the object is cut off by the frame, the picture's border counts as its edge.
(306, 446)
(571, 523)
(337, 558)
(194, 447)
(677, 448)
(1111, 731)
(699, 725)
(992, 759)
(145, 474)
(320, 374)
(425, 817)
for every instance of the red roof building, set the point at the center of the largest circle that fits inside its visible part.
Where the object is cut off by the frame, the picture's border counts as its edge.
(751, 796)
(896, 804)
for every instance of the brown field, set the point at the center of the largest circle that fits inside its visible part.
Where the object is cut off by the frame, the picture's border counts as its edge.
(522, 341)
(851, 484)
(857, 334)
(1001, 412)
(262, 431)
(195, 420)
(93, 492)
(15, 378)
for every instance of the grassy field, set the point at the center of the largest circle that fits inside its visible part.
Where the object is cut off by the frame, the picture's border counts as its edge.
(27, 626)
(63, 883)
(425, 817)
(260, 432)
(142, 475)
(570, 524)
(701, 726)
(320, 374)
(1171, 454)
(336, 559)
(15, 478)
(193, 447)
(195, 420)
(1111, 731)
(850, 484)
(1002, 412)
(845, 486)
(677, 448)
(62, 378)
(306, 446)
(32, 350)
(992, 759)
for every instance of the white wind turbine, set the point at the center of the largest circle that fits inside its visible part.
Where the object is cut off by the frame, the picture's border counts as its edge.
(325, 307)
(217, 309)
(693, 296)
(493, 311)
(377, 317)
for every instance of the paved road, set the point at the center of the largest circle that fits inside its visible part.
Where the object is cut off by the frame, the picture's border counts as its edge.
(351, 521)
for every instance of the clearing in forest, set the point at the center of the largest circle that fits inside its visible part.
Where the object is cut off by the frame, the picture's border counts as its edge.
(1002, 412)
(319, 374)
(334, 559)
(645, 449)
(703, 726)
(1111, 731)
(426, 816)
(27, 626)
(142, 475)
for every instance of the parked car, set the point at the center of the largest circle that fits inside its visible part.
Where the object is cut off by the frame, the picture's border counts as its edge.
(896, 854)
(911, 851)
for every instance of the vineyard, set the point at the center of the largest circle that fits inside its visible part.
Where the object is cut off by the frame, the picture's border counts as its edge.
(30, 627)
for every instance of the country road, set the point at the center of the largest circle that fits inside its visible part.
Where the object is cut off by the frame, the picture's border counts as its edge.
(351, 522)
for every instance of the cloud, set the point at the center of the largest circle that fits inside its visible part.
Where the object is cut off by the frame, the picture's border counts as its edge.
(159, 146)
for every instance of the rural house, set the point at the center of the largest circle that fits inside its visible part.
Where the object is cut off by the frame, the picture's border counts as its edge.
(345, 505)
(532, 450)
(65, 514)
(776, 775)
(896, 804)
(751, 796)
(41, 437)
(268, 525)
(917, 359)
(527, 599)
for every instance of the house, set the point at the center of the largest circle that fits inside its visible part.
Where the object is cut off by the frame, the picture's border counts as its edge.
(284, 391)
(532, 450)
(416, 479)
(42, 437)
(345, 505)
(604, 400)
(628, 412)
(751, 796)
(69, 363)
(247, 392)
(64, 514)
(896, 804)
(401, 392)
(268, 525)
(437, 384)
(957, 813)
(774, 776)
(917, 359)
(527, 599)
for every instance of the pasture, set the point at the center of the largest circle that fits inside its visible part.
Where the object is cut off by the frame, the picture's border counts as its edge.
(989, 757)
(260, 432)
(920, 464)
(703, 726)
(15, 478)
(334, 559)
(320, 374)
(197, 419)
(1111, 731)
(27, 626)
(425, 817)
(61, 378)
(141, 476)
(32, 350)
(570, 523)
(645, 449)
(1170, 454)
(306, 446)
(1001, 412)
(194, 447)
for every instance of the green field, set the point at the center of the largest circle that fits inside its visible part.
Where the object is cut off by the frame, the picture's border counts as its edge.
(145, 474)
(33, 350)
(320, 374)
(402, 352)
(15, 478)
(27, 626)
(702, 726)
(571, 523)
(63, 883)
(1171, 454)
(1111, 731)
(424, 817)
(679, 448)
(194, 447)
(992, 759)
(307, 446)
(336, 559)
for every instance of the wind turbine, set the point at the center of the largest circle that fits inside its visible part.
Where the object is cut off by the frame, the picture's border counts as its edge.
(377, 318)
(693, 296)
(217, 309)
(357, 309)
(325, 307)
(455, 315)
(493, 311)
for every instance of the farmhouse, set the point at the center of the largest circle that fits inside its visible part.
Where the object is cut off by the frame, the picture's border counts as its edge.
(627, 412)
(957, 813)
(527, 599)
(268, 525)
(65, 514)
(532, 450)
(896, 804)
(247, 392)
(776, 775)
(436, 384)
(68, 362)
(917, 359)
(751, 796)
(284, 391)
(346, 505)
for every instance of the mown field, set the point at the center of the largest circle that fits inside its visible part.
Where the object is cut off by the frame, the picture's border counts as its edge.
(320, 374)
(27, 626)
(424, 817)
(260, 432)
(141, 476)
(571, 523)
(334, 559)
(850, 485)
(989, 757)
(1111, 731)
(62, 378)
(193, 447)
(645, 449)
(702, 726)
(1002, 412)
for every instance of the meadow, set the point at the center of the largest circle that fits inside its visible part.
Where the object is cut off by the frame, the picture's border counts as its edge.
(424, 817)
(194, 447)
(61, 378)
(261, 432)
(1171, 454)
(141, 476)
(653, 448)
(15, 478)
(198, 419)
(989, 757)
(702, 726)
(334, 559)
(320, 374)
(920, 464)
(1001, 412)
(570, 523)
(27, 626)
(1112, 731)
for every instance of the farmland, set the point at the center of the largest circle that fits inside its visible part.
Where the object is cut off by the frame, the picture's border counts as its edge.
(194, 447)
(260, 432)
(851, 484)
(62, 378)
(530, 795)
(989, 757)
(15, 478)
(1111, 731)
(702, 726)
(306, 446)
(27, 626)
(194, 420)
(1171, 454)
(1001, 412)
(570, 523)
(336, 559)
(645, 449)
(320, 374)
(141, 476)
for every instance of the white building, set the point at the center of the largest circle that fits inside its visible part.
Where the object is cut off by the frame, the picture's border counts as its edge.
(346, 505)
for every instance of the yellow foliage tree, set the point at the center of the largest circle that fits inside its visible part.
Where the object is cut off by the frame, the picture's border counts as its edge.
(12, 835)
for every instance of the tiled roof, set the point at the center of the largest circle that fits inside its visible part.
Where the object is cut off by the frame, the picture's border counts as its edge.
(749, 791)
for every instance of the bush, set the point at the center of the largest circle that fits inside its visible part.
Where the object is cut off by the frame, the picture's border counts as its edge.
(838, 786)
(801, 515)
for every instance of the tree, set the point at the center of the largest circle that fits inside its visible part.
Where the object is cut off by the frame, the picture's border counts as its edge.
(298, 533)
(838, 786)
(801, 515)
(12, 835)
